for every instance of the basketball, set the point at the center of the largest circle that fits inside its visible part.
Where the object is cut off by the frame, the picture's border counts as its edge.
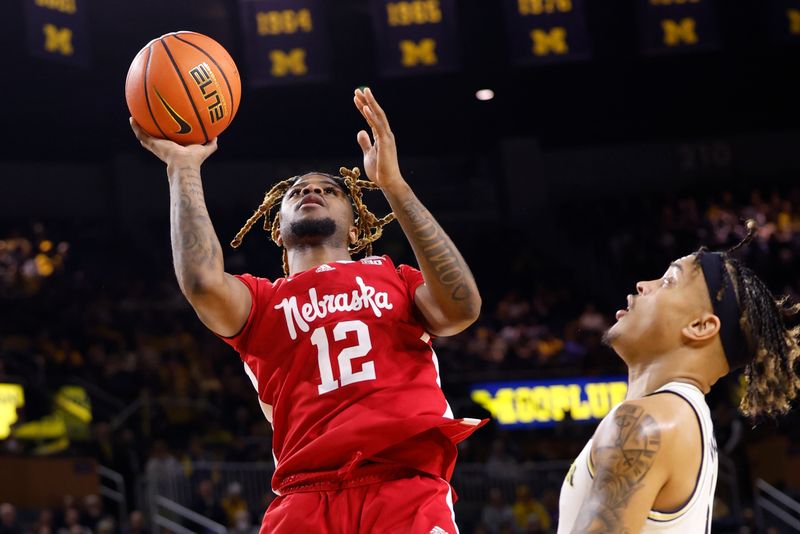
(183, 86)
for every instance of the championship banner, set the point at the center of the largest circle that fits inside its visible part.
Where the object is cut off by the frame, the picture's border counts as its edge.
(57, 30)
(785, 20)
(542, 403)
(675, 26)
(285, 41)
(546, 31)
(415, 36)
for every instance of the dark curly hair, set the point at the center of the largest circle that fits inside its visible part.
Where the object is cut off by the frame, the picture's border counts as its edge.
(369, 227)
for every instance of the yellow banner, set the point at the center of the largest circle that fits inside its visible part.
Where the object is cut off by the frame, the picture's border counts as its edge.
(546, 403)
(11, 398)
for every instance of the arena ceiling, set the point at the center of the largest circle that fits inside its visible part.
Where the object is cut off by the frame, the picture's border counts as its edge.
(54, 111)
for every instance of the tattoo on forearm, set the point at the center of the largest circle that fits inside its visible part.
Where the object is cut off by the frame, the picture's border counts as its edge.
(438, 250)
(195, 247)
(621, 468)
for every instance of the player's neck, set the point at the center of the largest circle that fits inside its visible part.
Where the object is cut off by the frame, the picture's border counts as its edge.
(305, 257)
(645, 377)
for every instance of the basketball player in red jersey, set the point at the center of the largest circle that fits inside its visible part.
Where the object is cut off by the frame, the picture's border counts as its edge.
(652, 463)
(338, 350)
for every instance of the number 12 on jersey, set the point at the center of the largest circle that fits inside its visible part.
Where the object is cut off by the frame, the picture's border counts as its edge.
(319, 338)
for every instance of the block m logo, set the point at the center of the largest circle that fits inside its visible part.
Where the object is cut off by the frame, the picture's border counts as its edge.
(58, 40)
(422, 53)
(552, 41)
(284, 64)
(677, 32)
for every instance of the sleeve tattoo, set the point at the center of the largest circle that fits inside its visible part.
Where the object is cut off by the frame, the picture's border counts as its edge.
(436, 249)
(621, 469)
(195, 246)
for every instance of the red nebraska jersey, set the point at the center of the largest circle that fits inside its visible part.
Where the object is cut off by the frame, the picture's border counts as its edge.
(346, 373)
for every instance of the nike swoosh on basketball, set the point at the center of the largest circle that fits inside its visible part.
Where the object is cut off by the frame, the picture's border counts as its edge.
(184, 126)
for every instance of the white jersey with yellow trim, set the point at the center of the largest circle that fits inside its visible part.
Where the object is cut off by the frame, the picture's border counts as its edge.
(694, 516)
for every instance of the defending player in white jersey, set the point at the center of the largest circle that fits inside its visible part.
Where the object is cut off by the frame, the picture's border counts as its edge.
(652, 463)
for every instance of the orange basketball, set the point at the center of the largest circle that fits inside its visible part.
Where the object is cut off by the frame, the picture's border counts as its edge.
(183, 86)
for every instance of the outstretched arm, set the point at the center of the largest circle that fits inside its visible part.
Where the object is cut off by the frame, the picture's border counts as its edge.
(221, 301)
(449, 300)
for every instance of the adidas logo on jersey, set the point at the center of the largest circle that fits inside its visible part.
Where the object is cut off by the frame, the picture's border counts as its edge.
(372, 261)
(437, 530)
(324, 267)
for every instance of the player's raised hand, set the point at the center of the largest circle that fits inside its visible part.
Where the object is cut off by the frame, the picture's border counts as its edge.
(171, 152)
(380, 152)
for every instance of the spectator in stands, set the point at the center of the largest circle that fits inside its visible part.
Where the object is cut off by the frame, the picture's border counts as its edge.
(243, 524)
(206, 505)
(574, 346)
(105, 526)
(529, 513)
(136, 524)
(44, 522)
(162, 465)
(592, 320)
(550, 502)
(8, 519)
(548, 347)
(501, 464)
(496, 514)
(479, 343)
(196, 452)
(512, 308)
(93, 508)
(72, 523)
(233, 503)
(68, 502)
(194, 455)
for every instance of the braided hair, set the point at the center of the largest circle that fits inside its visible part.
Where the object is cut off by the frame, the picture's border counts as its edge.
(771, 374)
(369, 228)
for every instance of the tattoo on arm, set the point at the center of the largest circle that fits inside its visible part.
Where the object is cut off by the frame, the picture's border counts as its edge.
(195, 247)
(436, 249)
(621, 468)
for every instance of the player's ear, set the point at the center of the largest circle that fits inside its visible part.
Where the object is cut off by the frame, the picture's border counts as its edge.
(352, 235)
(278, 238)
(703, 328)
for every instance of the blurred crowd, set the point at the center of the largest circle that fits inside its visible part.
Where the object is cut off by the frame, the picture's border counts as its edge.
(26, 260)
(166, 396)
(84, 516)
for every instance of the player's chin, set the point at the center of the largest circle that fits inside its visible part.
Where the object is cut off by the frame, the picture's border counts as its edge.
(317, 225)
(613, 334)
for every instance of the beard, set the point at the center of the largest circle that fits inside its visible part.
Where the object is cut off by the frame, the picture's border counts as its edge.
(609, 338)
(313, 228)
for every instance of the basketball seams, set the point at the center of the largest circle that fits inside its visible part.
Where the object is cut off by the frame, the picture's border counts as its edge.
(152, 68)
(147, 92)
(185, 87)
(221, 71)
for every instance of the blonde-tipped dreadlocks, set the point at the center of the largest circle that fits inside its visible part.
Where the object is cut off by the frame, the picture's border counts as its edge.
(369, 228)
(772, 339)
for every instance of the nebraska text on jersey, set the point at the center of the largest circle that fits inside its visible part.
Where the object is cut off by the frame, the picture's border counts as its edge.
(316, 308)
